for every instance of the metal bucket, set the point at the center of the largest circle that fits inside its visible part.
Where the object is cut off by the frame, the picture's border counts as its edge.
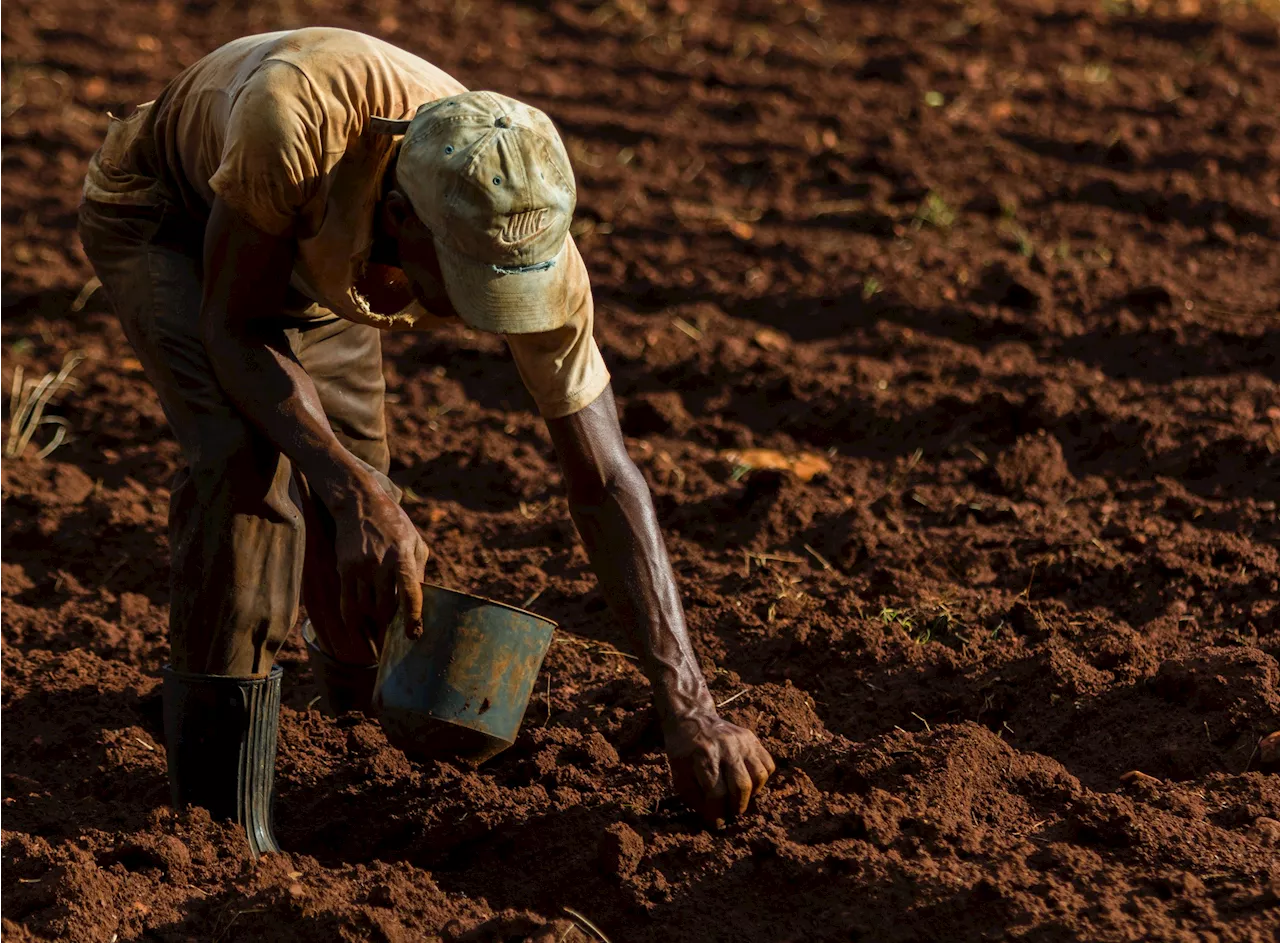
(460, 691)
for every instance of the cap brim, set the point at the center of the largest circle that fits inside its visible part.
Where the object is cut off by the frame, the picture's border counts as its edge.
(529, 300)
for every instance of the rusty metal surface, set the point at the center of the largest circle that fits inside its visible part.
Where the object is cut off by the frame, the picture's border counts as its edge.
(461, 689)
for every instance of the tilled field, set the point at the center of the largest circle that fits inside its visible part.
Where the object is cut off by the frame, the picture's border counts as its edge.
(1012, 272)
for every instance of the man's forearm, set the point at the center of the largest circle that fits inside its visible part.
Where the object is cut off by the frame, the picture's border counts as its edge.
(260, 375)
(625, 546)
(610, 504)
(246, 278)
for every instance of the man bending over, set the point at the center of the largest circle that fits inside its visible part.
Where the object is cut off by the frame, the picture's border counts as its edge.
(256, 227)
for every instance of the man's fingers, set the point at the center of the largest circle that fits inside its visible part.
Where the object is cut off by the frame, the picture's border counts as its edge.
(739, 786)
(719, 771)
(758, 771)
(411, 598)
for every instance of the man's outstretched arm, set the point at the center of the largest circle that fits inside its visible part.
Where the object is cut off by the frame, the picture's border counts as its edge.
(717, 767)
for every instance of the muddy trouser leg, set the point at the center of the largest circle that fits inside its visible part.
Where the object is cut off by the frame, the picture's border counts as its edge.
(236, 525)
(236, 530)
(347, 372)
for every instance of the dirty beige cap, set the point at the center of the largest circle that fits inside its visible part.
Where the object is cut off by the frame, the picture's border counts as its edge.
(490, 178)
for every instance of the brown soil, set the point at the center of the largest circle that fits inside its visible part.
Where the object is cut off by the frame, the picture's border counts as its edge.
(1014, 270)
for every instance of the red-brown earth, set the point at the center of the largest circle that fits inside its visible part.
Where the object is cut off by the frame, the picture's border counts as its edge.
(1012, 269)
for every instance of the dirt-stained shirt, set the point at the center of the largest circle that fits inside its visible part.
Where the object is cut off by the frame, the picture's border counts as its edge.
(279, 127)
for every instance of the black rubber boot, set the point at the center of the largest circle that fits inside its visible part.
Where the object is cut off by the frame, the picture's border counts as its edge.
(221, 737)
(343, 686)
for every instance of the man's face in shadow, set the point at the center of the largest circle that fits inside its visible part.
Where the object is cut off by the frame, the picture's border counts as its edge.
(417, 254)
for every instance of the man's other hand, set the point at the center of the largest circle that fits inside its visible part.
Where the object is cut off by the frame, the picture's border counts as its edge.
(717, 767)
(381, 559)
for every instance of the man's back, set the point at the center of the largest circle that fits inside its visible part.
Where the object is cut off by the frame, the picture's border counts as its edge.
(308, 94)
(278, 126)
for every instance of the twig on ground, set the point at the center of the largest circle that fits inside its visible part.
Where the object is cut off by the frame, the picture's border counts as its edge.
(730, 700)
(687, 328)
(819, 557)
(927, 728)
(587, 923)
(1251, 756)
(86, 293)
(611, 651)
(234, 917)
(568, 639)
(114, 570)
(776, 557)
(529, 602)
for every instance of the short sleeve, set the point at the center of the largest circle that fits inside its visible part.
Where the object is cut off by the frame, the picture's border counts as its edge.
(563, 369)
(272, 149)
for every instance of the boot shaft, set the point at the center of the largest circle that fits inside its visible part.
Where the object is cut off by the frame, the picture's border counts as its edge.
(221, 736)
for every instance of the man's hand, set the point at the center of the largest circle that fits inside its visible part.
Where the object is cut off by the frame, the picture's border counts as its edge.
(717, 767)
(381, 558)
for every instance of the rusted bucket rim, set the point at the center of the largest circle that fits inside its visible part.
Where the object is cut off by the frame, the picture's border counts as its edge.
(493, 602)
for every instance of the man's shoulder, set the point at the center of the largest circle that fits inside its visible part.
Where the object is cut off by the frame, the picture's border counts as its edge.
(350, 58)
(321, 45)
(328, 81)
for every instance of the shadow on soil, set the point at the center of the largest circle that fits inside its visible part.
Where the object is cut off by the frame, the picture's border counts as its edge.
(102, 777)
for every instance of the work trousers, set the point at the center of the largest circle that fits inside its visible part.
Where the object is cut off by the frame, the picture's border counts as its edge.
(247, 538)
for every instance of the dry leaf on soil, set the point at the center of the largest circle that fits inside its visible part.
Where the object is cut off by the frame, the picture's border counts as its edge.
(804, 465)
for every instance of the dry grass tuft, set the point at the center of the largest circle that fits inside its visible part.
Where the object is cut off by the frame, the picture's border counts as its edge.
(27, 402)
